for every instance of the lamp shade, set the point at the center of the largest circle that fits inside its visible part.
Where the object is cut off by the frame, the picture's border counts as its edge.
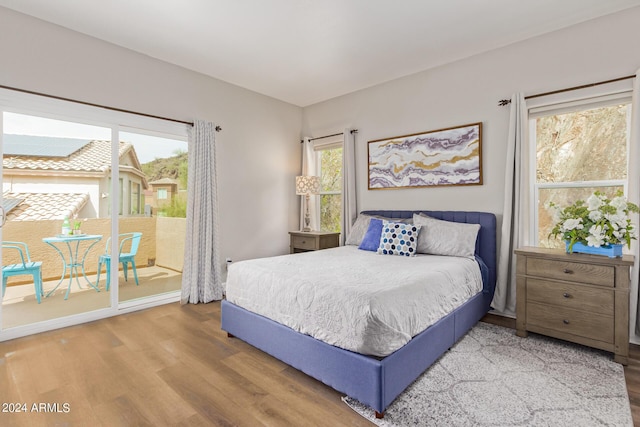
(306, 184)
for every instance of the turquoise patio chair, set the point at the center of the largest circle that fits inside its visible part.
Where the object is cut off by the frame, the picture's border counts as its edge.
(127, 240)
(26, 266)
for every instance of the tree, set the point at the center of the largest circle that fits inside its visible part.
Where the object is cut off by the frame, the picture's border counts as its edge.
(585, 145)
(331, 189)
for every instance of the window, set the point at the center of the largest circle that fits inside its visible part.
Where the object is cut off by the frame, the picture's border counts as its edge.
(121, 195)
(330, 171)
(162, 194)
(135, 198)
(121, 201)
(579, 148)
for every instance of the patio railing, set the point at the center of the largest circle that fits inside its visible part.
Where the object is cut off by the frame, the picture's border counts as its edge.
(162, 243)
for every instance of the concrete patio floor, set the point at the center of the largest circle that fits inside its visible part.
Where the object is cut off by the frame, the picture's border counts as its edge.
(19, 305)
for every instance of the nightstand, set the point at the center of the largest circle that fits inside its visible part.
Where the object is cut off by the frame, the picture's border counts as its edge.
(303, 241)
(575, 297)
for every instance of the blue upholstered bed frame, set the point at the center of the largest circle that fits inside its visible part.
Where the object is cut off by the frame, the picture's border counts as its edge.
(373, 381)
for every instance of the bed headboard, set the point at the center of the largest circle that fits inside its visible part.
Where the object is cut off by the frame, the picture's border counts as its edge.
(485, 244)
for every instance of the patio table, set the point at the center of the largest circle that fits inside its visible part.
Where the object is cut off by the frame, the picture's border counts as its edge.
(72, 258)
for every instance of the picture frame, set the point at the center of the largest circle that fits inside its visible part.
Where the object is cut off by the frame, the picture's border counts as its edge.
(443, 157)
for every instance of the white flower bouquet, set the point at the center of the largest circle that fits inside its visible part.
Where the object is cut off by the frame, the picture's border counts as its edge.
(598, 222)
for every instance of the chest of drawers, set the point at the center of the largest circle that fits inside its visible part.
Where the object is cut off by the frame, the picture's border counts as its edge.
(575, 297)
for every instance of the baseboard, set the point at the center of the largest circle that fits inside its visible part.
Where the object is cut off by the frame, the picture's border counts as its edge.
(500, 320)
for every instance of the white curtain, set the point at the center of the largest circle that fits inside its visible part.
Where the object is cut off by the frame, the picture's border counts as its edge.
(515, 219)
(349, 208)
(633, 194)
(201, 275)
(310, 168)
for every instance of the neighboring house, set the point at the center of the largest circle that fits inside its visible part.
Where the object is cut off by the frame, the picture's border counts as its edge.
(162, 192)
(50, 178)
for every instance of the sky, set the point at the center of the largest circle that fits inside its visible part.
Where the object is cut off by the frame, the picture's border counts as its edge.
(147, 147)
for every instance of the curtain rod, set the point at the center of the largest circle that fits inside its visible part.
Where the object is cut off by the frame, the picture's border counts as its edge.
(504, 102)
(329, 136)
(106, 107)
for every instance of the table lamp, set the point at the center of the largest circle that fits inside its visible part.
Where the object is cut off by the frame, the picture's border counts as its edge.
(306, 186)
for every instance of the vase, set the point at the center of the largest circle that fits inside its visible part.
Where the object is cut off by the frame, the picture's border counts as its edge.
(612, 251)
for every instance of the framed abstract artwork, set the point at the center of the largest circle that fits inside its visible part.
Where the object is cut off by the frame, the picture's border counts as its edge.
(451, 156)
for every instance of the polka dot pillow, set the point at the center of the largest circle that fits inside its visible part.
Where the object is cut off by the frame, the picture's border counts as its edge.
(398, 239)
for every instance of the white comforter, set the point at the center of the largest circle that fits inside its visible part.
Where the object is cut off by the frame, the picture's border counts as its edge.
(354, 299)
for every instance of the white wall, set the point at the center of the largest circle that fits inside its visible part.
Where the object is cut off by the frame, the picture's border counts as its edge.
(468, 91)
(258, 148)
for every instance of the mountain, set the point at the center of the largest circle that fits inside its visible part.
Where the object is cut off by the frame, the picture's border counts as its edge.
(174, 167)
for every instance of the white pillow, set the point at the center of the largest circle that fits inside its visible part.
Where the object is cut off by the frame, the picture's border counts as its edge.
(358, 230)
(439, 237)
(361, 225)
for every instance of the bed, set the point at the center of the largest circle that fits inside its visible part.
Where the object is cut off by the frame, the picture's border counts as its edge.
(375, 380)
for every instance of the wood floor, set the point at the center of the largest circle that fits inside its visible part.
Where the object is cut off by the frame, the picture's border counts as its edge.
(171, 365)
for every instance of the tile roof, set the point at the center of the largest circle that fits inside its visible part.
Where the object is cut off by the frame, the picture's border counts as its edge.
(45, 206)
(164, 181)
(95, 156)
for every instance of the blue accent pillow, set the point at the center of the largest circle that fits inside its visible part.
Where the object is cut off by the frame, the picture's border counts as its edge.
(398, 239)
(371, 239)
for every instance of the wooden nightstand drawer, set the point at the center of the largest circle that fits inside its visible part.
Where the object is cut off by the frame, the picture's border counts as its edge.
(568, 321)
(578, 297)
(602, 275)
(575, 297)
(303, 242)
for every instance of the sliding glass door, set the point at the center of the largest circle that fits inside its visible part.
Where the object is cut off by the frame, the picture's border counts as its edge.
(153, 174)
(54, 175)
(95, 206)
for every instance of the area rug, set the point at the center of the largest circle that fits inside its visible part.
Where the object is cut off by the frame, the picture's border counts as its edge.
(493, 378)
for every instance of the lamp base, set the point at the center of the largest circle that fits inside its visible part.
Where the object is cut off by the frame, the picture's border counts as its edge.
(307, 218)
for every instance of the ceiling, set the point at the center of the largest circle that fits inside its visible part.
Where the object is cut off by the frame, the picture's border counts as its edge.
(307, 51)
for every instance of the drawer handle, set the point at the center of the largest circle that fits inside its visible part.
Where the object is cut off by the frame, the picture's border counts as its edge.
(304, 241)
(566, 295)
(567, 271)
(565, 321)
